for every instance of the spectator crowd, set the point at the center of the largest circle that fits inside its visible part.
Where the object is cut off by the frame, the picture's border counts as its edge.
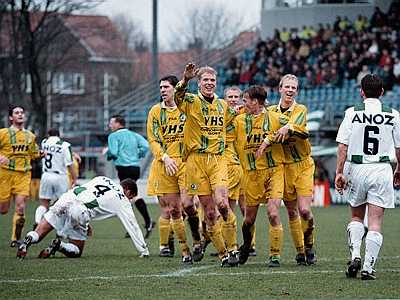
(325, 56)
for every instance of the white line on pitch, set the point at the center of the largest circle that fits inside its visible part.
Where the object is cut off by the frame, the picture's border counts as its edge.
(183, 273)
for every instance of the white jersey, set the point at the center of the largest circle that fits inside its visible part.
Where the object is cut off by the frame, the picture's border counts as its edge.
(98, 199)
(58, 155)
(99, 195)
(371, 131)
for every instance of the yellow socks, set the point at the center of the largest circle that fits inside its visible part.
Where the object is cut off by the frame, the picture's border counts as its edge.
(275, 240)
(18, 222)
(309, 232)
(296, 231)
(179, 229)
(216, 238)
(164, 230)
(253, 236)
(229, 232)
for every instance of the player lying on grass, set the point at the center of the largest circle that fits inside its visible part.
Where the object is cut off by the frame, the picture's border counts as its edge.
(98, 199)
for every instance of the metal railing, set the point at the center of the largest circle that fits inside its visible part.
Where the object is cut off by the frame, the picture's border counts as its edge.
(148, 93)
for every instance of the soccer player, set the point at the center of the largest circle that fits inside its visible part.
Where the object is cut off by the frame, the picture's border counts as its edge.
(368, 133)
(98, 199)
(76, 161)
(233, 96)
(165, 125)
(204, 146)
(299, 168)
(125, 149)
(17, 149)
(55, 164)
(263, 177)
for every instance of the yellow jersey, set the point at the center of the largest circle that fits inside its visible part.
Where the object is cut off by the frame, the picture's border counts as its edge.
(19, 146)
(165, 128)
(250, 132)
(205, 127)
(75, 165)
(297, 147)
(231, 155)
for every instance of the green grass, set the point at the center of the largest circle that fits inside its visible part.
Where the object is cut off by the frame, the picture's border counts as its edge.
(111, 269)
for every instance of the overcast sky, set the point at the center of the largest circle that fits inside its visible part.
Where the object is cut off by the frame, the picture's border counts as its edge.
(171, 11)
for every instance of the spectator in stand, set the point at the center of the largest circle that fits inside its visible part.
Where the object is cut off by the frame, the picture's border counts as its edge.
(309, 82)
(388, 79)
(336, 27)
(374, 48)
(361, 23)
(386, 59)
(284, 35)
(304, 50)
(396, 70)
(364, 71)
(233, 71)
(378, 18)
(344, 24)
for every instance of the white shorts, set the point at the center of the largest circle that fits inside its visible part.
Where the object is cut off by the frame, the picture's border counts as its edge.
(369, 183)
(53, 185)
(59, 216)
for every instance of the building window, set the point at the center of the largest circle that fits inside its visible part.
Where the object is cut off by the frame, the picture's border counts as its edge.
(68, 83)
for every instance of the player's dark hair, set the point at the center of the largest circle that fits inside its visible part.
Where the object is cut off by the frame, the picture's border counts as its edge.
(53, 132)
(257, 92)
(12, 107)
(172, 79)
(372, 86)
(130, 185)
(119, 119)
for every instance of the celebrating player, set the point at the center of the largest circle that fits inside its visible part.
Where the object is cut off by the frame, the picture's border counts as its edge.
(264, 176)
(204, 146)
(299, 168)
(17, 149)
(165, 125)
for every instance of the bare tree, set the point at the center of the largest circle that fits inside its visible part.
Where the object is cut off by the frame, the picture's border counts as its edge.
(37, 44)
(132, 32)
(206, 27)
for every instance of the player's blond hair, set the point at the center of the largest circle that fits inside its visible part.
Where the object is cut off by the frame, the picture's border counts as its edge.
(291, 77)
(204, 70)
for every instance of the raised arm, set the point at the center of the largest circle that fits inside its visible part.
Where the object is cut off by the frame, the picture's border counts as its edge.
(181, 88)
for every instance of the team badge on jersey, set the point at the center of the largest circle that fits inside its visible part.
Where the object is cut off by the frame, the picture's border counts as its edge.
(283, 120)
(182, 117)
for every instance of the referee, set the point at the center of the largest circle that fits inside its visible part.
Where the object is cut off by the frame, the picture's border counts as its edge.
(125, 149)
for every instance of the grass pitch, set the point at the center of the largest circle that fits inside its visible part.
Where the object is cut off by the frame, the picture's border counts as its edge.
(111, 269)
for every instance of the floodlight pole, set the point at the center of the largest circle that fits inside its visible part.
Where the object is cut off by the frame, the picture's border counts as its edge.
(155, 45)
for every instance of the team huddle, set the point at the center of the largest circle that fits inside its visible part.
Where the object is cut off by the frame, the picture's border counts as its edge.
(209, 154)
(228, 150)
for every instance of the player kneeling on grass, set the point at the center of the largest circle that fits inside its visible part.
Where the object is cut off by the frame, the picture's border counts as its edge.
(98, 199)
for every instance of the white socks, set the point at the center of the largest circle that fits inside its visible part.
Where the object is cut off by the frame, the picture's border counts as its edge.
(34, 235)
(40, 211)
(373, 243)
(69, 248)
(355, 232)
